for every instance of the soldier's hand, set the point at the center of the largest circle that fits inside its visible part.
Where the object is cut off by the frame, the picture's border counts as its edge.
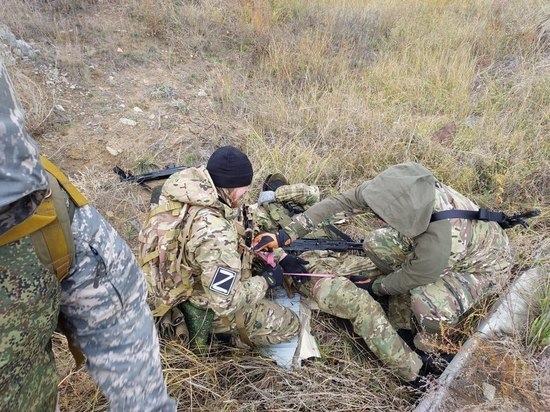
(266, 197)
(295, 264)
(266, 240)
(273, 276)
(365, 284)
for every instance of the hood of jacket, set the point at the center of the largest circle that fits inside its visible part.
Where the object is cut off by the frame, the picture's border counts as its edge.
(23, 180)
(193, 186)
(403, 196)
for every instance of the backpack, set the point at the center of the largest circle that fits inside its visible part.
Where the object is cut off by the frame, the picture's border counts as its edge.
(161, 254)
(50, 225)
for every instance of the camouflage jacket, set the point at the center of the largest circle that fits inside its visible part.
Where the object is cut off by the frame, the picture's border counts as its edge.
(23, 179)
(29, 294)
(213, 249)
(268, 217)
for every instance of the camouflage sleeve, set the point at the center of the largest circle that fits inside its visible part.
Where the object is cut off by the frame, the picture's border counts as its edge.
(349, 201)
(299, 193)
(24, 181)
(432, 250)
(214, 246)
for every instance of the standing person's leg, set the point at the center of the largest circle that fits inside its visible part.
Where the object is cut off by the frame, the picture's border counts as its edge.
(29, 305)
(104, 303)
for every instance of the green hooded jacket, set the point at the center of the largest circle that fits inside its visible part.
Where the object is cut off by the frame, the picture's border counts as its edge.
(403, 196)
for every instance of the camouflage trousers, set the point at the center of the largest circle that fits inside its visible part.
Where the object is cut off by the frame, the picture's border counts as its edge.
(461, 285)
(340, 297)
(104, 303)
(264, 322)
(29, 305)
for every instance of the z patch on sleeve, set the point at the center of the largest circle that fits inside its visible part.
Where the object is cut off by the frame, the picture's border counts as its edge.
(223, 280)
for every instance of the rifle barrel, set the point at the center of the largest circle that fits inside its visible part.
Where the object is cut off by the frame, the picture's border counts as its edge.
(303, 245)
(146, 177)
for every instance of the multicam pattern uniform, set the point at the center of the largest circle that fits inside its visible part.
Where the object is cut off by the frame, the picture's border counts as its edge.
(470, 254)
(339, 296)
(270, 217)
(29, 294)
(213, 245)
(480, 261)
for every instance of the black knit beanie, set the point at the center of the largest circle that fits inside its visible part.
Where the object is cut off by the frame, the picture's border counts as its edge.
(229, 168)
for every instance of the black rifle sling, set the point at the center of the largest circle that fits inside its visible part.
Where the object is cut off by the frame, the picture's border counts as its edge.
(487, 215)
(481, 214)
(339, 233)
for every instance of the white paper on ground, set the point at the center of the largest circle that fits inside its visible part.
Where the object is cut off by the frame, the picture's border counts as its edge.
(300, 347)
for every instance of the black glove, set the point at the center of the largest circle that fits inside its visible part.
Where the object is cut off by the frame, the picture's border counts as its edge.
(273, 276)
(295, 264)
(364, 286)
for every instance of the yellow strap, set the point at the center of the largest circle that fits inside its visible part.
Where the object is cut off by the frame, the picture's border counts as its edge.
(164, 208)
(43, 216)
(57, 246)
(241, 328)
(148, 257)
(77, 197)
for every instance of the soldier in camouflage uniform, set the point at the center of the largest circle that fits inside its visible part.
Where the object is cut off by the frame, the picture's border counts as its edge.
(29, 294)
(338, 296)
(444, 267)
(214, 263)
(103, 299)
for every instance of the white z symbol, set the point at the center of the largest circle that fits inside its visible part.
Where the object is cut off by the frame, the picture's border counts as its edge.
(223, 281)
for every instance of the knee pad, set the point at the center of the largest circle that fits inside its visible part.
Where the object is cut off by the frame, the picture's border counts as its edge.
(429, 315)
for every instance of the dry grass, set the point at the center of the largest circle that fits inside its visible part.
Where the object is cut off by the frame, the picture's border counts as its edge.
(37, 103)
(515, 374)
(326, 92)
(226, 379)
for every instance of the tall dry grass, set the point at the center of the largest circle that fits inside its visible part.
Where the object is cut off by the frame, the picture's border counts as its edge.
(328, 92)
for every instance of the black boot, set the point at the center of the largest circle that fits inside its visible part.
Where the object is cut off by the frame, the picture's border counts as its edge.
(432, 364)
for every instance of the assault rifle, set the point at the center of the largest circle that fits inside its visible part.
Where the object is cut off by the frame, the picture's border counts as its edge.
(303, 245)
(146, 177)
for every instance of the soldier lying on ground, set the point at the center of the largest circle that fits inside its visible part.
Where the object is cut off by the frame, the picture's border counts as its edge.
(338, 296)
(442, 267)
(196, 262)
(102, 297)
